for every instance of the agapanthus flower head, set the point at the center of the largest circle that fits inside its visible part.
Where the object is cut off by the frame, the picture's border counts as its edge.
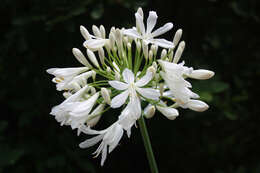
(127, 69)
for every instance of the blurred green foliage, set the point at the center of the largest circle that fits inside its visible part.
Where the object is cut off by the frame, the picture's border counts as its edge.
(221, 35)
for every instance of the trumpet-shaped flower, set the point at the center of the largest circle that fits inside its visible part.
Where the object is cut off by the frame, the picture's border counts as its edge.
(110, 138)
(146, 34)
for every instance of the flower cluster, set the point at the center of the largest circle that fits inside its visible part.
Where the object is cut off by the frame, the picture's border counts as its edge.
(125, 70)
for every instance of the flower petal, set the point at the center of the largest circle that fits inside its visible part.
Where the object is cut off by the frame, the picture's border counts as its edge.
(144, 80)
(151, 21)
(132, 33)
(119, 100)
(149, 93)
(118, 85)
(140, 23)
(94, 44)
(117, 136)
(90, 142)
(128, 76)
(162, 30)
(162, 43)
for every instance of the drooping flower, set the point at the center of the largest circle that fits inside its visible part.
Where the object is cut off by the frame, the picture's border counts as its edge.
(146, 34)
(110, 138)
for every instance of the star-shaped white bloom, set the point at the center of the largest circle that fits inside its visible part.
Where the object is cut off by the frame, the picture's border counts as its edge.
(129, 87)
(146, 34)
(110, 138)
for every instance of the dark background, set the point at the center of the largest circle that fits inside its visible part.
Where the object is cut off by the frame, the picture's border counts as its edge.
(223, 36)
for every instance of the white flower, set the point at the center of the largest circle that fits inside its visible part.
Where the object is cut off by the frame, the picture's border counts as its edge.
(201, 74)
(65, 75)
(146, 34)
(173, 77)
(110, 138)
(195, 105)
(79, 111)
(61, 111)
(130, 87)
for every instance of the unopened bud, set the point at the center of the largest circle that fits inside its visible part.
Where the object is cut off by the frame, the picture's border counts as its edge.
(170, 55)
(201, 74)
(96, 31)
(129, 46)
(177, 37)
(95, 115)
(154, 49)
(163, 54)
(168, 112)
(149, 111)
(150, 55)
(106, 96)
(138, 46)
(117, 75)
(179, 51)
(155, 65)
(108, 70)
(80, 57)
(197, 105)
(161, 87)
(102, 31)
(145, 50)
(101, 55)
(92, 58)
(84, 32)
(94, 75)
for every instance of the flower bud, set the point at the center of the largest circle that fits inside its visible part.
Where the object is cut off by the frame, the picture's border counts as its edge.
(177, 37)
(116, 66)
(84, 32)
(152, 70)
(138, 46)
(155, 65)
(179, 51)
(95, 116)
(145, 50)
(161, 87)
(96, 31)
(129, 46)
(201, 74)
(80, 57)
(117, 75)
(163, 54)
(102, 31)
(149, 111)
(125, 39)
(106, 96)
(197, 105)
(154, 49)
(170, 52)
(92, 58)
(150, 55)
(94, 75)
(168, 112)
(101, 55)
(108, 70)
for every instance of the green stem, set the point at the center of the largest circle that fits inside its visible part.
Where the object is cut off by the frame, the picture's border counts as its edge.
(147, 145)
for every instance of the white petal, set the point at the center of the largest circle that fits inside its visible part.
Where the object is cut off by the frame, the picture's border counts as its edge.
(90, 142)
(162, 30)
(66, 72)
(140, 23)
(118, 85)
(119, 100)
(94, 44)
(144, 80)
(197, 105)
(117, 136)
(162, 43)
(104, 155)
(170, 113)
(151, 21)
(149, 93)
(132, 33)
(128, 76)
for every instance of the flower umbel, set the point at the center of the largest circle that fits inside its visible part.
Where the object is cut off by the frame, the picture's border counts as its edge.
(129, 69)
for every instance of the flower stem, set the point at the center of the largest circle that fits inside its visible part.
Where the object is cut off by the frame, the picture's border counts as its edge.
(147, 145)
